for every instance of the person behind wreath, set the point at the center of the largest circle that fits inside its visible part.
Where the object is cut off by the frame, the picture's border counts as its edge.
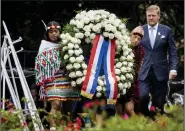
(129, 104)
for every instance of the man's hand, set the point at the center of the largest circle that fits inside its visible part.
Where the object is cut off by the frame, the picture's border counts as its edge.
(172, 75)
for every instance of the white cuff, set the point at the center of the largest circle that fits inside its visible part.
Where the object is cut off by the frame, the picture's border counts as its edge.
(173, 71)
(52, 129)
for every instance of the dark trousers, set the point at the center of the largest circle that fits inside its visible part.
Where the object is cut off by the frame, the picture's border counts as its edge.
(156, 88)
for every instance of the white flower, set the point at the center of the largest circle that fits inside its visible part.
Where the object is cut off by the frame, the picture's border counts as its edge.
(79, 81)
(108, 27)
(72, 75)
(120, 86)
(124, 91)
(129, 57)
(95, 29)
(125, 85)
(92, 36)
(124, 48)
(118, 35)
(116, 60)
(116, 23)
(124, 63)
(66, 57)
(123, 69)
(69, 66)
(65, 48)
(100, 82)
(80, 50)
(78, 16)
(117, 71)
(77, 52)
(127, 75)
(122, 77)
(78, 41)
(87, 40)
(113, 29)
(132, 54)
(77, 35)
(130, 64)
(80, 25)
(129, 84)
(70, 52)
(81, 35)
(118, 47)
(76, 29)
(131, 77)
(72, 59)
(98, 94)
(112, 16)
(84, 66)
(118, 65)
(76, 65)
(68, 37)
(111, 36)
(91, 25)
(104, 89)
(122, 58)
(74, 40)
(62, 36)
(105, 34)
(125, 53)
(99, 88)
(121, 26)
(87, 28)
(86, 20)
(80, 59)
(72, 22)
(87, 34)
(64, 42)
(73, 83)
(70, 45)
(79, 73)
(97, 18)
(129, 69)
(104, 16)
(76, 46)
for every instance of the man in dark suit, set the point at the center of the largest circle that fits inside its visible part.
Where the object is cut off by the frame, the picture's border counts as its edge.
(158, 42)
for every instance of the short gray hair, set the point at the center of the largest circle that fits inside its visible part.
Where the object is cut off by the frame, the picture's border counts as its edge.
(154, 7)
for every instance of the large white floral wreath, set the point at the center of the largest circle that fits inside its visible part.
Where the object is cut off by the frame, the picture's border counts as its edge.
(81, 31)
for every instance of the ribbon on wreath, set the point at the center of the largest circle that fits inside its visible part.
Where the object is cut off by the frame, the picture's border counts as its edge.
(103, 52)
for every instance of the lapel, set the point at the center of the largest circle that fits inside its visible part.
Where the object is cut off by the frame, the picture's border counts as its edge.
(158, 36)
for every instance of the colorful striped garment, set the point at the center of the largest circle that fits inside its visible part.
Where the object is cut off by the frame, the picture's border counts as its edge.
(53, 81)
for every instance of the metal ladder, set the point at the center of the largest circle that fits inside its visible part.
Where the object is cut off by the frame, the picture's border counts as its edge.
(6, 50)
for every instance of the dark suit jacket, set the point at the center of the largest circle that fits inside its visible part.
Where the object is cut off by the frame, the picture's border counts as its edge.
(157, 57)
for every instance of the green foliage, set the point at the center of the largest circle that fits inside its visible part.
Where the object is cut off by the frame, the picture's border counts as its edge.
(69, 29)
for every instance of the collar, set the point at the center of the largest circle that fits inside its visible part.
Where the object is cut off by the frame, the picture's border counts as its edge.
(155, 26)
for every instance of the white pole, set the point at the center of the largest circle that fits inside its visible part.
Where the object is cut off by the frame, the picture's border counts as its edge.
(31, 104)
(15, 101)
(4, 84)
(13, 78)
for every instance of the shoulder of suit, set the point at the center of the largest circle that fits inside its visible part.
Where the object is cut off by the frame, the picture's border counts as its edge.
(144, 25)
(165, 26)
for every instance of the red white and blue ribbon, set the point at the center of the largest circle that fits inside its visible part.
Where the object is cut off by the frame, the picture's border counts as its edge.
(102, 53)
